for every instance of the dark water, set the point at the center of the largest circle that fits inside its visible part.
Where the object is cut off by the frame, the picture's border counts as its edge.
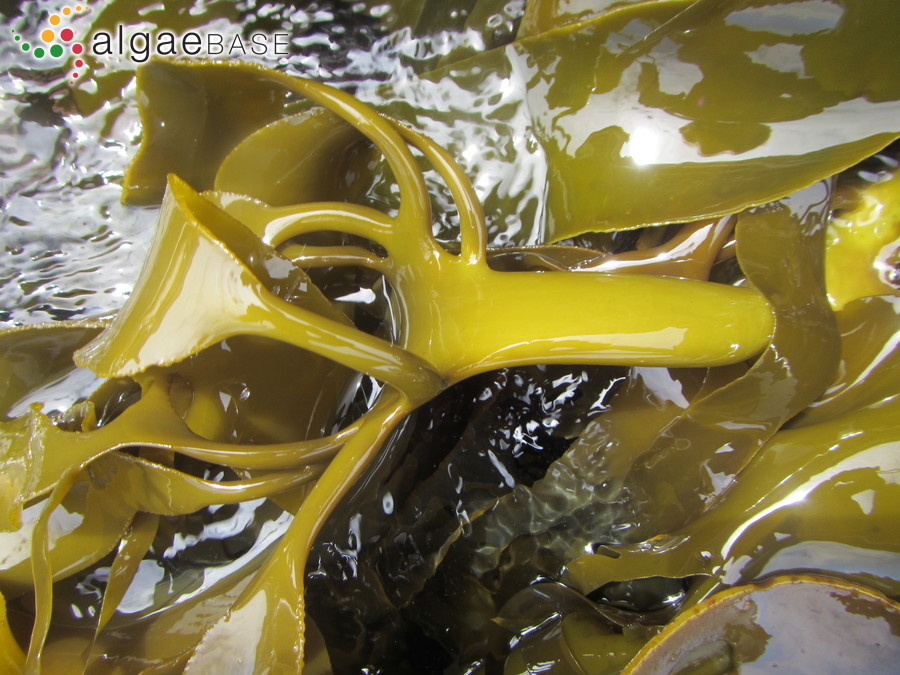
(72, 250)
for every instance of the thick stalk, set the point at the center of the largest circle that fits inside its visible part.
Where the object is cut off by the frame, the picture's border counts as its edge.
(488, 319)
(264, 631)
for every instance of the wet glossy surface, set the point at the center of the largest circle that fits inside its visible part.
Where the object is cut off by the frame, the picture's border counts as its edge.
(791, 623)
(281, 425)
(661, 99)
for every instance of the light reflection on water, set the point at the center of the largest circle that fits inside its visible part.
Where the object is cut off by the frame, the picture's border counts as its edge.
(72, 250)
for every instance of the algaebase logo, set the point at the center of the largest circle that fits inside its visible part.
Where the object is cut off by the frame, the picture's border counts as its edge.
(58, 43)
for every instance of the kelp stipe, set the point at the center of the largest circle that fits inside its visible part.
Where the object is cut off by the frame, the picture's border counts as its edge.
(226, 293)
(454, 317)
(198, 293)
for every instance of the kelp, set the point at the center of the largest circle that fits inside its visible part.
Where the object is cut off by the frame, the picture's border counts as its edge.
(815, 517)
(452, 461)
(804, 340)
(478, 343)
(110, 75)
(672, 89)
(863, 255)
(751, 625)
(796, 490)
(696, 461)
(600, 490)
(11, 657)
(473, 333)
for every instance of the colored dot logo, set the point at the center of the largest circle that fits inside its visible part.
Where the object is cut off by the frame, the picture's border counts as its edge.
(58, 40)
